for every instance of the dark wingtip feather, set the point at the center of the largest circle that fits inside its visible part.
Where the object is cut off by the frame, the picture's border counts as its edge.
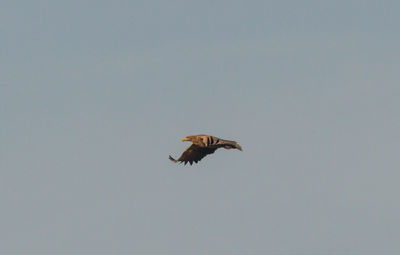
(172, 159)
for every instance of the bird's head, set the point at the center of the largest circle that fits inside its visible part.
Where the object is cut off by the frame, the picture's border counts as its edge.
(187, 138)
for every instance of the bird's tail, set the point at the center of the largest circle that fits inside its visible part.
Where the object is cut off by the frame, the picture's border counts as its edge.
(172, 159)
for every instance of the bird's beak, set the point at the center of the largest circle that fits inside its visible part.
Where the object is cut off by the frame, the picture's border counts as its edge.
(184, 139)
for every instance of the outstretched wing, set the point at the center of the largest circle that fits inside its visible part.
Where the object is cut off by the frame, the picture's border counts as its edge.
(193, 153)
(215, 142)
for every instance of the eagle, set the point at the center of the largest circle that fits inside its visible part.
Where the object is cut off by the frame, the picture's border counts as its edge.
(201, 146)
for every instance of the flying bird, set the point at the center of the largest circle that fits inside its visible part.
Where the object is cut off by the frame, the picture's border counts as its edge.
(201, 146)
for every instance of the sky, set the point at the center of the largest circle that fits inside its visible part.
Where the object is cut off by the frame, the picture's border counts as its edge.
(94, 96)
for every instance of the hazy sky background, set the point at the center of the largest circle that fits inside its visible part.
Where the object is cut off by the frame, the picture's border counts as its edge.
(95, 95)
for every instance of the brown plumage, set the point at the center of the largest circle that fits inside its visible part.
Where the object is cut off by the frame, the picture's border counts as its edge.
(201, 146)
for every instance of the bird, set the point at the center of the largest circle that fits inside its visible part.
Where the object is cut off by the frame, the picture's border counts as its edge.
(201, 146)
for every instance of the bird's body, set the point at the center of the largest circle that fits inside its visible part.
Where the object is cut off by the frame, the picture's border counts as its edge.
(201, 146)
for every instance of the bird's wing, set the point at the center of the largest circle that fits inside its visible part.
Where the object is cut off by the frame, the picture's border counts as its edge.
(215, 142)
(193, 153)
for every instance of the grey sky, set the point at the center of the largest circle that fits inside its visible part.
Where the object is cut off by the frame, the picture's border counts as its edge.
(95, 95)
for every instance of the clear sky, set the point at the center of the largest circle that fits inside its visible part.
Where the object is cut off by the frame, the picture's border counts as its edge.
(95, 95)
